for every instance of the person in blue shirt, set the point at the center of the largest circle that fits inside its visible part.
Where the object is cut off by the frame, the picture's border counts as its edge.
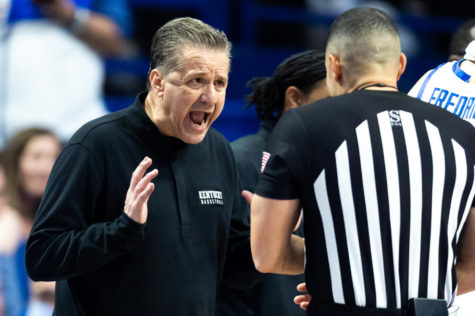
(102, 24)
(28, 159)
(56, 49)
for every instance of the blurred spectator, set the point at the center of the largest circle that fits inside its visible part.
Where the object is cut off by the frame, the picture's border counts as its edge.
(28, 160)
(332, 7)
(1, 301)
(2, 202)
(42, 299)
(2, 183)
(51, 68)
(460, 39)
(409, 41)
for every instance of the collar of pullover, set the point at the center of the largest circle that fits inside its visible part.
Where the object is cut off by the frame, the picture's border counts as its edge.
(148, 130)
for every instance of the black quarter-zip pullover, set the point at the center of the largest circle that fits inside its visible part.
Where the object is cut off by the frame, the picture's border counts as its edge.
(107, 264)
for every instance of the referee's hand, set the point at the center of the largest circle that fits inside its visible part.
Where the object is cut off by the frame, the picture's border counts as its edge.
(140, 189)
(304, 299)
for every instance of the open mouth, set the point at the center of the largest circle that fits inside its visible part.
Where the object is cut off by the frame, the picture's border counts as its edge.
(199, 118)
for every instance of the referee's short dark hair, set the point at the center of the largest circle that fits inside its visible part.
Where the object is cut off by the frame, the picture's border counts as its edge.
(364, 36)
(302, 70)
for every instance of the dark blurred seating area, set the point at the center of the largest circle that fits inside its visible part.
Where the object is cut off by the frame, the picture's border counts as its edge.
(264, 32)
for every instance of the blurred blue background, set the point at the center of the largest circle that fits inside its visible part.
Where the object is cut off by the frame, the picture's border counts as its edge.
(265, 32)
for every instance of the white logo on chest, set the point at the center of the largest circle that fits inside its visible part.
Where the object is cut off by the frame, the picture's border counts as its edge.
(211, 197)
(395, 118)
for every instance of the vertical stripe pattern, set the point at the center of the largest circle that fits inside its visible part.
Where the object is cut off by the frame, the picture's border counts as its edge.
(438, 178)
(351, 230)
(390, 163)
(466, 209)
(330, 239)
(460, 182)
(371, 200)
(415, 187)
(398, 136)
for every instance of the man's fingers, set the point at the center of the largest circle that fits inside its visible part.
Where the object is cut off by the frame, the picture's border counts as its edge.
(143, 197)
(140, 189)
(302, 287)
(138, 173)
(302, 298)
(303, 301)
(138, 210)
(145, 181)
(304, 305)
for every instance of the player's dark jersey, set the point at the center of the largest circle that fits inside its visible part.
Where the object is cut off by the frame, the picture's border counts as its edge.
(274, 295)
(386, 182)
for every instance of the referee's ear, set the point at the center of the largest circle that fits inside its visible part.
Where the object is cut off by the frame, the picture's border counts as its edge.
(402, 65)
(335, 68)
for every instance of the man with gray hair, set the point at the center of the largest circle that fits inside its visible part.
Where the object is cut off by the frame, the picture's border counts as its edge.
(386, 181)
(181, 231)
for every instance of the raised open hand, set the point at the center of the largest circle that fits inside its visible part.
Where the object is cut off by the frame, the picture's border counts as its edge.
(139, 192)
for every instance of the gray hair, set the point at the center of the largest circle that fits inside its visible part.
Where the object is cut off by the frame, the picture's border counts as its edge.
(165, 52)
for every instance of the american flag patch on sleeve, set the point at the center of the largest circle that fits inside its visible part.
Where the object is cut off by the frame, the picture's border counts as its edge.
(265, 157)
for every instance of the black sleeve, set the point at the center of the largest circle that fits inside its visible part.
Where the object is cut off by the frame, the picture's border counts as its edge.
(239, 271)
(285, 159)
(64, 242)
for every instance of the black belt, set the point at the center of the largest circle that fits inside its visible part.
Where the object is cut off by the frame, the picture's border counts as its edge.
(416, 307)
(319, 308)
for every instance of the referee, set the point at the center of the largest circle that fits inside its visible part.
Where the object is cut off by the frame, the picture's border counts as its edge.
(386, 182)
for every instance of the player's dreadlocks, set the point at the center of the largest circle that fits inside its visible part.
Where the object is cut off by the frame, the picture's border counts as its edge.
(301, 70)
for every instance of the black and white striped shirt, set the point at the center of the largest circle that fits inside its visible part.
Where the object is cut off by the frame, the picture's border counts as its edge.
(386, 182)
